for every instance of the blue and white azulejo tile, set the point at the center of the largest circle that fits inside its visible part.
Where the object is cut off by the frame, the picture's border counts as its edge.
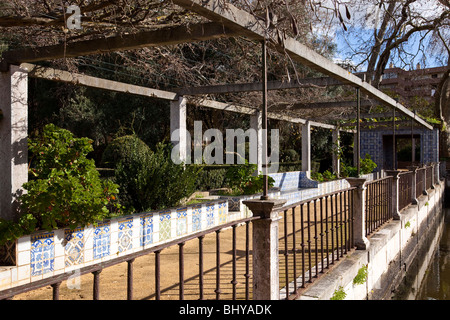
(42, 253)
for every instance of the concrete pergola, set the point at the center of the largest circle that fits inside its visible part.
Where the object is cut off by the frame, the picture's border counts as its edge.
(225, 21)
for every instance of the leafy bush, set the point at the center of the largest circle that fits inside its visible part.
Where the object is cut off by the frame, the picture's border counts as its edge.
(64, 188)
(242, 181)
(149, 180)
(289, 155)
(122, 149)
(211, 177)
(317, 176)
(366, 166)
(129, 156)
(325, 176)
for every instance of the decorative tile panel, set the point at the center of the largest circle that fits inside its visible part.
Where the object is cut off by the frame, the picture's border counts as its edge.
(45, 254)
(223, 213)
(181, 221)
(165, 225)
(209, 214)
(125, 234)
(42, 255)
(74, 246)
(197, 218)
(102, 240)
(146, 231)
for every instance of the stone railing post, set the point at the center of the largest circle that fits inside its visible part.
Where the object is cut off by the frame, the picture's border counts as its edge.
(395, 192)
(433, 173)
(424, 184)
(359, 213)
(437, 170)
(266, 271)
(413, 169)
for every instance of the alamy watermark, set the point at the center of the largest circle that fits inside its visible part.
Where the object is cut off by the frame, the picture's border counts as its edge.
(73, 22)
(209, 148)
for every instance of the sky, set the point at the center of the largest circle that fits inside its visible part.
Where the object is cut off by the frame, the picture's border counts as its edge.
(361, 28)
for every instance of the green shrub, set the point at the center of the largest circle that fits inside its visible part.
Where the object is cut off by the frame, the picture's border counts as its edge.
(122, 149)
(64, 188)
(242, 181)
(168, 183)
(348, 171)
(366, 166)
(211, 177)
(129, 156)
(317, 176)
(289, 155)
(149, 180)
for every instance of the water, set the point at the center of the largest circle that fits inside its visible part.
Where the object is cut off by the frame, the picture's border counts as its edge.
(428, 275)
(436, 283)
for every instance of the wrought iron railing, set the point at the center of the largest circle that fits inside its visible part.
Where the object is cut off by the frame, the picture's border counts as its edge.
(428, 177)
(378, 203)
(420, 181)
(197, 281)
(405, 189)
(315, 233)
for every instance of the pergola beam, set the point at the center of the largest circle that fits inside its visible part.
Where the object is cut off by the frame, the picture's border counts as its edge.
(377, 124)
(99, 83)
(94, 82)
(228, 21)
(248, 25)
(160, 37)
(258, 86)
(369, 115)
(322, 105)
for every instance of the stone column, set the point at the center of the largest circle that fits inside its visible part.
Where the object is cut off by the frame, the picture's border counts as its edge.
(306, 148)
(13, 139)
(359, 213)
(265, 248)
(395, 192)
(256, 124)
(413, 169)
(336, 145)
(178, 130)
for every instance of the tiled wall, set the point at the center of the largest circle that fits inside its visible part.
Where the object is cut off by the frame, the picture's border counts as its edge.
(372, 144)
(288, 181)
(44, 254)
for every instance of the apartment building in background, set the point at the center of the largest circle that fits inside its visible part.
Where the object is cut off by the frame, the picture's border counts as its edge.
(410, 84)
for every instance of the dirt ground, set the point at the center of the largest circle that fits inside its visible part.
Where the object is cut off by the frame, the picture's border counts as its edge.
(113, 280)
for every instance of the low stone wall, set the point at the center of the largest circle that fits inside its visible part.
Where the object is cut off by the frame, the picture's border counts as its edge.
(293, 195)
(45, 254)
(392, 249)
